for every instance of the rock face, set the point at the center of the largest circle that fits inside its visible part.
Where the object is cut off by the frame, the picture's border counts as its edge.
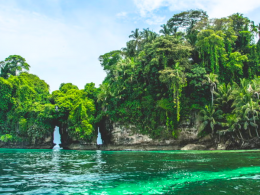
(69, 143)
(194, 147)
(251, 144)
(125, 138)
(79, 146)
(117, 136)
(44, 143)
(121, 135)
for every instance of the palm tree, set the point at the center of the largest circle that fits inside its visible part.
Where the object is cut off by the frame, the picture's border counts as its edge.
(255, 84)
(148, 36)
(104, 92)
(137, 37)
(246, 107)
(241, 94)
(233, 125)
(212, 80)
(129, 50)
(152, 36)
(250, 113)
(224, 97)
(146, 33)
(210, 118)
(166, 30)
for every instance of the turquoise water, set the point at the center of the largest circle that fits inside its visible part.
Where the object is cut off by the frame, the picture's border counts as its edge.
(125, 172)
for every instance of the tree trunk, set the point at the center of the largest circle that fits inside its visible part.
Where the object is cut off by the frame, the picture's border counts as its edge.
(177, 102)
(250, 134)
(257, 132)
(212, 97)
(238, 136)
(256, 129)
(241, 135)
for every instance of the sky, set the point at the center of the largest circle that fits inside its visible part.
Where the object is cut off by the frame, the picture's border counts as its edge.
(62, 39)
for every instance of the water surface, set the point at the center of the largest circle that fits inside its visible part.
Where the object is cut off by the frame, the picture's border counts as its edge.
(126, 172)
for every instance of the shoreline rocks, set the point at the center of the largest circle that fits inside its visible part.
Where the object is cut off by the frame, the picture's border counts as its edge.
(194, 147)
(122, 138)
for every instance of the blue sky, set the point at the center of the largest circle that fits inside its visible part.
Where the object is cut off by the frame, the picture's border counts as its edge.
(62, 39)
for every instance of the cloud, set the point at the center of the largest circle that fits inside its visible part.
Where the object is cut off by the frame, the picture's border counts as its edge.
(57, 50)
(121, 14)
(215, 8)
(147, 6)
(154, 19)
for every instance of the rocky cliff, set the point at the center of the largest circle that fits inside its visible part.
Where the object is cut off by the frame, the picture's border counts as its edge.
(43, 143)
(71, 143)
(117, 136)
(124, 137)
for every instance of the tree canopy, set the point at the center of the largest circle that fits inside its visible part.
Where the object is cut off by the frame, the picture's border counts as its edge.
(193, 65)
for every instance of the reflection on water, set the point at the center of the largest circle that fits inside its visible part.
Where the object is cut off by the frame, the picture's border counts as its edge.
(99, 172)
(55, 160)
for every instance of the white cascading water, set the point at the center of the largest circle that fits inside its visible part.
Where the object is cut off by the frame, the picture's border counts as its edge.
(99, 140)
(56, 138)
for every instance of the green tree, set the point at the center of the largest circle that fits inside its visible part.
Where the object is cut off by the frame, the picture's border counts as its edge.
(12, 65)
(235, 65)
(176, 80)
(209, 119)
(250, 113)
(187, 19)
(166, 30)
(224, 97)
(76, 110)
(212, 80)
(137, 37)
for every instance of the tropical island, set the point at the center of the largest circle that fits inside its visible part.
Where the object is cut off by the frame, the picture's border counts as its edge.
(195, 83)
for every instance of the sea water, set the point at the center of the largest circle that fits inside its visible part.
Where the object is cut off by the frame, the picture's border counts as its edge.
(129, 172)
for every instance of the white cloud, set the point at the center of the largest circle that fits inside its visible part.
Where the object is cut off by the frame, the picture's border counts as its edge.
(154, 19)
(215, 8)
(147, 6)
(121, 14)
(225, 8)
(59, 51)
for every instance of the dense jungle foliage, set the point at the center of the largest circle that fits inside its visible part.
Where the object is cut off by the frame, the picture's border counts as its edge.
(195, 65)
(29, 113)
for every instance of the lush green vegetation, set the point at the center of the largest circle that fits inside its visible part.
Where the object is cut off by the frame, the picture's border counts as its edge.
(194, 65)
(76, 110)
(27, 109)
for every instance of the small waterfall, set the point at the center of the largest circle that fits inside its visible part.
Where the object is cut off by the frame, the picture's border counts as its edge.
(99, 140)
(56, 138)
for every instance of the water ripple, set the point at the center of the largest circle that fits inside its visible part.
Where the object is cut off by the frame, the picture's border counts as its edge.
(96, 172)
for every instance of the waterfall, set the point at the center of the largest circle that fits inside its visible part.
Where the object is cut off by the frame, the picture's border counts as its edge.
(56, 138)
(99, 140)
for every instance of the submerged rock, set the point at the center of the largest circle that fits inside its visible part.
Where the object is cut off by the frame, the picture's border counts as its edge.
(194, 147)
(222, 147)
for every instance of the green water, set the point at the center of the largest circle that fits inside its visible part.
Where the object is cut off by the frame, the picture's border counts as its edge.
(126, 172)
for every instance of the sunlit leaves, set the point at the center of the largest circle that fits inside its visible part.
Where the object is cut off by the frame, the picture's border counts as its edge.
(76, 110)
(12, 65)
(235, 65)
